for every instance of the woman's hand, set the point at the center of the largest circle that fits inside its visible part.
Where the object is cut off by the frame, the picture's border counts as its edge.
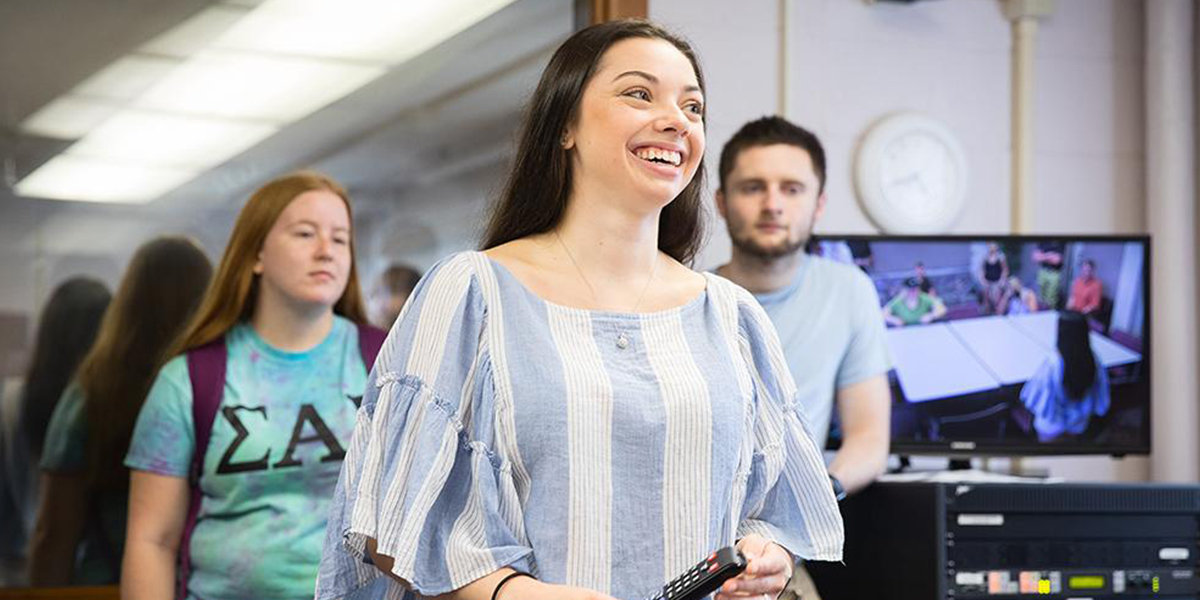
(768, 569)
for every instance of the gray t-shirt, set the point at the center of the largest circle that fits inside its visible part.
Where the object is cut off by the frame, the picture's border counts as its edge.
(831, 327)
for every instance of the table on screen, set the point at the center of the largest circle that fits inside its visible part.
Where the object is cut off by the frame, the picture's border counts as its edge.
(932, 363)
(1043, 327)
(1008, 353)
(973, 355)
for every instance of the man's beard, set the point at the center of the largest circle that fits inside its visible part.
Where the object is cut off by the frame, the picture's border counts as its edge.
(788, 247)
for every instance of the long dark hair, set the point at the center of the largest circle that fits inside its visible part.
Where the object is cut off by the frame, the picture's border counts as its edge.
(1075, 346)
(159, 292)
(66, 330)
(539, 181)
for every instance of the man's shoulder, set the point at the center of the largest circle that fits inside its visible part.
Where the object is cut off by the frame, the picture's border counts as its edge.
(833, 274)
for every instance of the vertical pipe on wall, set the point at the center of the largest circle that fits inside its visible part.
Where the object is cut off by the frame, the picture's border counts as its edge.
(785, 36)
(1024, 15)
(1171, 218)
(1024, 32)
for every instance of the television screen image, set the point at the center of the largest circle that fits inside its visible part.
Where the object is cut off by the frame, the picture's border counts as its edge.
(1013, 345)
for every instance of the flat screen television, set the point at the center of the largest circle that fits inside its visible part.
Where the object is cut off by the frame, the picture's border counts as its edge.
(973, 330)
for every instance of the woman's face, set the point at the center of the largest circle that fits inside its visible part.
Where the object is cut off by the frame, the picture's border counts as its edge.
(306, 256)
(639, 132)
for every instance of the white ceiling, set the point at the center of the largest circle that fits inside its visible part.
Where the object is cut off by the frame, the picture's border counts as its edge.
(448, 111)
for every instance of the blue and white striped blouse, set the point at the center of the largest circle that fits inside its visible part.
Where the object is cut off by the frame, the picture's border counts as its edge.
(499, 430)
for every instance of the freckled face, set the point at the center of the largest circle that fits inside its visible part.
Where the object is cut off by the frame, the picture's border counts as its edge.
(306, 255)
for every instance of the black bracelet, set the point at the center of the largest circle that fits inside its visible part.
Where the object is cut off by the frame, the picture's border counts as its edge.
(513, 575)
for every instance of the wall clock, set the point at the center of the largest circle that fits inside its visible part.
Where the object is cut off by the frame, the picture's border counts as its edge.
(911, 174)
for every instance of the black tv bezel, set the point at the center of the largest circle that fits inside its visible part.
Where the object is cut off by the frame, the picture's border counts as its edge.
(984, 448)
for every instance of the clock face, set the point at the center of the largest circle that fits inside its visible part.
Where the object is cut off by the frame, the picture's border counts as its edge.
(917, 174)
(911, 175)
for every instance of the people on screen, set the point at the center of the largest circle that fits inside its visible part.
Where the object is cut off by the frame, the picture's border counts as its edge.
(923, 280)
(1018, 299)
(913, 307)
(1071, 385)
(1049, 256)
(1087, 290)
(992, 276)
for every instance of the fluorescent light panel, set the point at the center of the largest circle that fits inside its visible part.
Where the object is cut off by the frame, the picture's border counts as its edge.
(127, 78)
(69, 117)
(163, 140)
(197, 33)
(246, 86)
(98, 98)
(387, 31)
(199, 97)
(67, 177)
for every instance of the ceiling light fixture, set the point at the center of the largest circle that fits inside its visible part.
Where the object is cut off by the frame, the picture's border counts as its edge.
(220, 83)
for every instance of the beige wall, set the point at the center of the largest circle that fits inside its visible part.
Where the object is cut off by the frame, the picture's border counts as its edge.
(850, 63)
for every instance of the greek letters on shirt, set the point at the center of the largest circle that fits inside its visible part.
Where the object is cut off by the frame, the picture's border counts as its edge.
(306, 415)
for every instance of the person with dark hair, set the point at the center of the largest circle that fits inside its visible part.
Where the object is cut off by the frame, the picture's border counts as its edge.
(573, 413)
(80, 527)
(923, 280)
(861, 251)
(1087, 290)
(398, 282)
(238, 446)
(772, 193)
(1049, 256)
(1018, 299)
(992, 276)
(66, 329)
(1070, 386)
(913, 307)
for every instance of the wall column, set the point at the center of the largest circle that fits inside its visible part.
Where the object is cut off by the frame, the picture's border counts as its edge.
(1024, 15)
(1171, 220)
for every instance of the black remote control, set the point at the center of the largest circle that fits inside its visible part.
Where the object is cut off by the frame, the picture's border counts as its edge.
(704, 578)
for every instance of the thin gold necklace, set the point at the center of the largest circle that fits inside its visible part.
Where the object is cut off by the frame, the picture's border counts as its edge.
(622, 340)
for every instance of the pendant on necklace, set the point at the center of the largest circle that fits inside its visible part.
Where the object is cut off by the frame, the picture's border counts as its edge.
(622, 341)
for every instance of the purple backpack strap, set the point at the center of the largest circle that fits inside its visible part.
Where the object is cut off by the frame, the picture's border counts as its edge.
(206, 369)
(370, 340)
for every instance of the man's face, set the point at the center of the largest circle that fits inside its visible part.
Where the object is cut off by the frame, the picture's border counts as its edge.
(1086, 270)
(771, 200)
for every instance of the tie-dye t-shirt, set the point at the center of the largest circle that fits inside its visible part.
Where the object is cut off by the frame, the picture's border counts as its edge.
(277, 445)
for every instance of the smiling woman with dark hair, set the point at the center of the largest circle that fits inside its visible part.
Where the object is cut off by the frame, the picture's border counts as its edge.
(573, 413)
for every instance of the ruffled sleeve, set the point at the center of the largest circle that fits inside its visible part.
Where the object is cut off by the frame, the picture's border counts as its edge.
(789, 498)
(422, 476)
